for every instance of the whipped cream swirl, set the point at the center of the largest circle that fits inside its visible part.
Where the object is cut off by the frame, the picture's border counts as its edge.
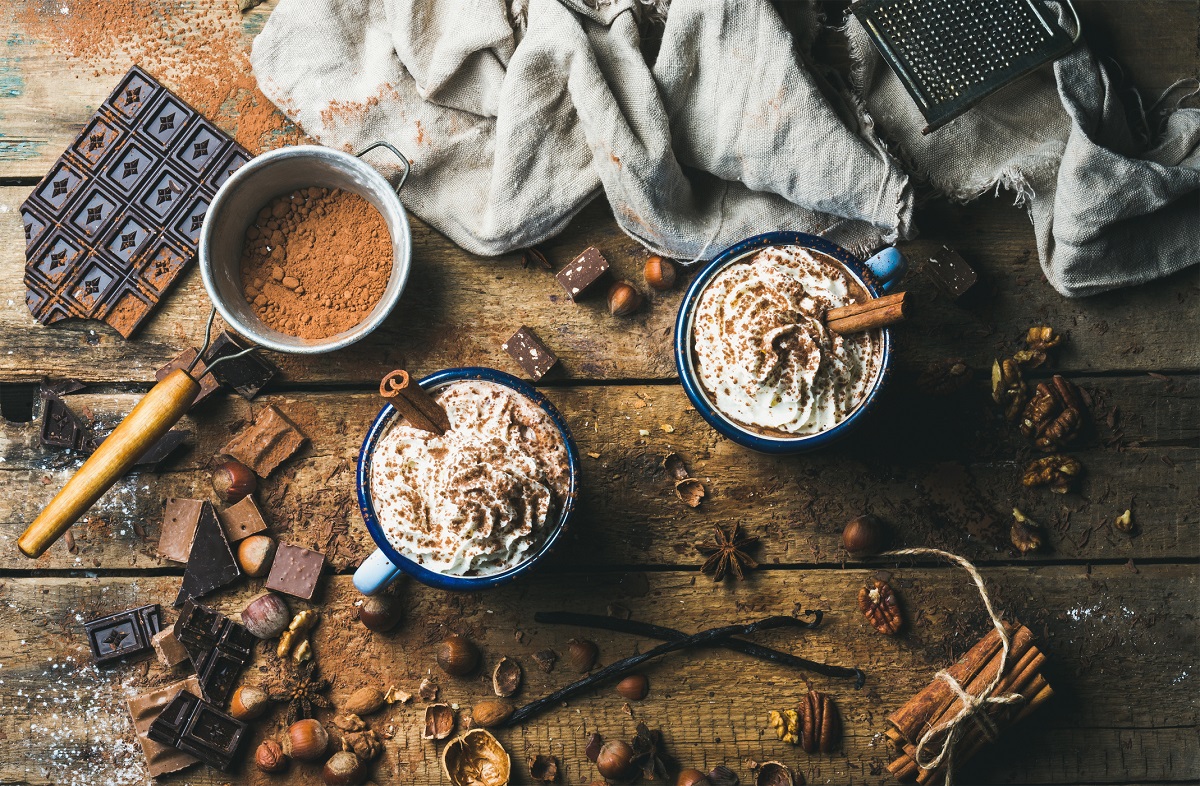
(479, 499)
(763, 352)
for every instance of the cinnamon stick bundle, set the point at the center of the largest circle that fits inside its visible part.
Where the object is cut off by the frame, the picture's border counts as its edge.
(875, 313)
(413, 402)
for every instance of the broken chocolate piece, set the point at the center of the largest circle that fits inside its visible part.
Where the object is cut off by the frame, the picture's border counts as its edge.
(197, 727)
(62, 428)
(210, 563)
(241, 520)
(219, 648)
(162, 449)
(530, 353)
(179, 528)
(208, 382)
(583, 274)
(295, 571)
(951, 272)
(268, 443)
(123, 634)
(117, 219)
(248, 374)
(144, 708)
(169, 648)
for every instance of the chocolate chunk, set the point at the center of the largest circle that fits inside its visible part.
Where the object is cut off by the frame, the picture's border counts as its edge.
(241, 520)
(144, 708)
(169, 648)
(218, 647)
(179, 528)
(583, 274)
(123, 634)
(197, 727)
(208, 382)
(268, 443)
(117, 220)
(951, 272)
(295, 571)
(248, 374)
(62, 428)
(210, 564)
(162, 449)
(530, 353)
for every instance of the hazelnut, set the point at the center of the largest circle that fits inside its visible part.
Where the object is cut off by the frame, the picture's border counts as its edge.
(380, 613)
(581, 654)
(255, 554)
(864, 535)
(457, 657)
(233, 480)
(344, 769)
(248, 703)
(692, 778)
(307, 740)
(623, 299)
(266, 616)
(634, 687)
(615, 760)
(364, 701)
(660, 273)
(270, 757)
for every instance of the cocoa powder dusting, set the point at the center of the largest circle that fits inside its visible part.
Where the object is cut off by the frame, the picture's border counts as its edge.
(315, 262)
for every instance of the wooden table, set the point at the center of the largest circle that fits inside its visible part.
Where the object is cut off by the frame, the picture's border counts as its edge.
(1116, 615)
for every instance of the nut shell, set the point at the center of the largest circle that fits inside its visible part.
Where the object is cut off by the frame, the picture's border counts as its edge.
(364, 701)
(476, 759)
(266, 616)
(489, 713)
(344, 769)
(506, 677)
(248, 703)
(659, 273)
(255, 555)
(233, 480)
(307, 740)
(634, 687)
(773, 773)
(439, 722)
(269, 757)
(543, 768)
(623, 299)
(457, 656)
(380, 613)
(581, 654)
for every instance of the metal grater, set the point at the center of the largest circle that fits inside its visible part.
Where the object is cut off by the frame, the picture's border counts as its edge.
(950, 54)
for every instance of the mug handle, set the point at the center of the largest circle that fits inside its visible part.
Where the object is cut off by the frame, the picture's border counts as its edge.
(888, 267)
(375, 573)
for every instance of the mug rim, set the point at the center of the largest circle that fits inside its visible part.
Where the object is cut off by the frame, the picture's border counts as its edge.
(685, 360)
(440, 580)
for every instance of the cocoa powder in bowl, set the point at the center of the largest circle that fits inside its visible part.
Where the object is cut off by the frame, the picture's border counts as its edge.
(315, 262)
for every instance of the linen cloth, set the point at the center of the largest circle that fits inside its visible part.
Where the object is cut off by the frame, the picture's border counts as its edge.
(515, 122)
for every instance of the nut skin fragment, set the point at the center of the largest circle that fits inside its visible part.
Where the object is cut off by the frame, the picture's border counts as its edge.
(545, 659)
(690, 491)
(821, 726)
(1025, 534)
(506, 678)
(1008, 388)
(774, 773)
(879, 605)
(476, 759)
(543, 768)
(786, 725)
(439, 722)
(1057, 471)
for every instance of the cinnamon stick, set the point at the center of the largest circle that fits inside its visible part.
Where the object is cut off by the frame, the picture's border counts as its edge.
(875, 313)
(413, 402)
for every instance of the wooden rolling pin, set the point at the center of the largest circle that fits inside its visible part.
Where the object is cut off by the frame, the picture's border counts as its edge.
(154, 415)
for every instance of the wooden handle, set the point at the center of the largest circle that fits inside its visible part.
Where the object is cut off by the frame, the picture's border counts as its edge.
(154, 415)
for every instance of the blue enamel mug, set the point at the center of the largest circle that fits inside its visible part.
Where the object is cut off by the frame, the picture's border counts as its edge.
(878, 275)
(386, 563)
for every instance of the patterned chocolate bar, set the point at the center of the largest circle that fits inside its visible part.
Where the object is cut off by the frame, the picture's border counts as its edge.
(197, 727)
(219, 648)
(118, 218)
(124, 633)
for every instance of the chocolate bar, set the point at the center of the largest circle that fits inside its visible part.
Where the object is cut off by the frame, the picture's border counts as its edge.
(951, 272)
(295, 571)
(268, 443)
(179, 528)
(241, 520)
(117, 220)
(144, 708)
(583, 274)
(530, 353)
(62, 428)
(208, 382)
(169, 648)
(248, 374)
(123, 634)
(197, 727)
(210, 563)
(219, 648)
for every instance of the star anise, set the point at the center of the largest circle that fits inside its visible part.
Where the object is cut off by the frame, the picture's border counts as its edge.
(301, 689)
(647, 753)
(730, 555)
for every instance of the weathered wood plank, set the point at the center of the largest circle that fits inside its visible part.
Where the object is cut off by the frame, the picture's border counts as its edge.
(1101, 630)
(947, 485)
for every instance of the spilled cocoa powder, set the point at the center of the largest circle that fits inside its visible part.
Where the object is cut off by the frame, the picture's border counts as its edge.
(316, 261)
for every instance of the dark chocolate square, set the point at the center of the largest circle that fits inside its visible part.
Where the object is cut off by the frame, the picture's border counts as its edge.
(123, 634)
(295, 571)
(530, 353)
(34, 227)
(951, 272)
(248, 374)
(62, 428)
(197, 727)
(583, 274)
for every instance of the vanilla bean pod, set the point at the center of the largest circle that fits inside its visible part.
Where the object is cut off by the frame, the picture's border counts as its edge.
(621, 667)
(652, 631)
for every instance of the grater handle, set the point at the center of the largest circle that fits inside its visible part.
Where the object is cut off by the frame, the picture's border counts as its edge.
(403, 158)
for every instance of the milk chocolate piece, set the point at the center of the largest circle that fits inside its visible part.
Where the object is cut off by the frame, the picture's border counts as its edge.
(951, 272)
(169, 648)
(210, 564)
(530, 353)
(219, 648)
(268, 443)
(583, 274)
(123, 634)
(295, 571)
(208, 382)
(197, 727)
(179, 528)
(117, 220)
(241, 520)
(144, 708)
(248, 374)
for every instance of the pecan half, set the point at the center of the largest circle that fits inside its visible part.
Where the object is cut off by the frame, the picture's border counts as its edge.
(879, 605)
(1008, 387)
(1058, 472)
(1054, 416)
(821, 726)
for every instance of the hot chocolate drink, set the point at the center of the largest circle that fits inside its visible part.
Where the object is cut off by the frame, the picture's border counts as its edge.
(479, 499)
(764, 355)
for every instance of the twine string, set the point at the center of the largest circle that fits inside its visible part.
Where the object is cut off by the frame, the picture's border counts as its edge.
(974, 706)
